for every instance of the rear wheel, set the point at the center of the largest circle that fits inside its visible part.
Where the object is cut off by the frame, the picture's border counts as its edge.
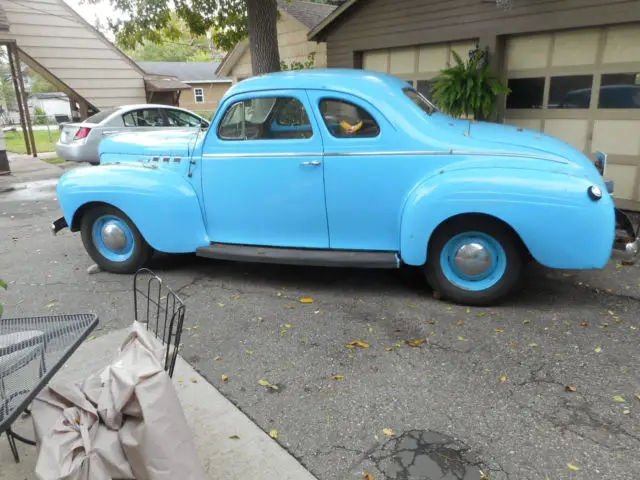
(112, 240)
(474, 261)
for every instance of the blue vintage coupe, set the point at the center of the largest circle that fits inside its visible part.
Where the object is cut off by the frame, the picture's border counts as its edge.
(348, 168)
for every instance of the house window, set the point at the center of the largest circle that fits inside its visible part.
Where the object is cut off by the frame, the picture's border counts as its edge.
(198, 93)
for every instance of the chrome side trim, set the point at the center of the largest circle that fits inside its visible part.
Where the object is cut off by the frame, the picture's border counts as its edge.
(382, 154)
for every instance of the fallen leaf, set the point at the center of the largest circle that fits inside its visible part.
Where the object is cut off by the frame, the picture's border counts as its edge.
(368, 476)
(411, 305)
(628, 262)
(503, 379)
(571, 388)
(637, 396)
(249, 352)
(282, 332)
(288, 325)
(416, 342)
(181, 380)
(514, 344)
(584, 324)
(217, 357)
(351, 355)
(235, 297)
(598, 350)
(526, 322)
(51, 305)
(268, 384)
(235, 437)
(372, 329)
(619, 399)
(604, 324)
(462, 339)
(194, 380)
(92, 337)
(388, 432)
(338, 377)
(573, 467)
(568, 275)
(388, 349)
(626, 412)
(273, 433)
(499, 330)
(307, 300)
(431, 322)
(483, 476)
(195, 327)
(481, 314)
(609, 290)
(460, 323)
(221, 304)
(279, 294)
(357, 343)
(468, 310)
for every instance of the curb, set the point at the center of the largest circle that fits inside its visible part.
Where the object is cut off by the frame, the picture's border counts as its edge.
(7, 189)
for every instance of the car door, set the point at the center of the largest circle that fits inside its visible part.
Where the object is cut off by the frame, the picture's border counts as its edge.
(367, 178)
(262, 173)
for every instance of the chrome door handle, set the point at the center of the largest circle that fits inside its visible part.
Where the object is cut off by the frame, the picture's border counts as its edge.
(314, 163)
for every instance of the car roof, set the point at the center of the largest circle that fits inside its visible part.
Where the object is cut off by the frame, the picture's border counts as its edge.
(337, 79)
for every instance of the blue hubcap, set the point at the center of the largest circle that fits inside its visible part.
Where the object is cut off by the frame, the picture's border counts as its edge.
(473, 261)
(113, 238)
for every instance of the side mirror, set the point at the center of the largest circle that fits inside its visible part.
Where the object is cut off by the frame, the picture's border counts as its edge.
(204, 124)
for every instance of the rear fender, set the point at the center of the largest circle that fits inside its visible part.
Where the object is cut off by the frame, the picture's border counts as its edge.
(162, 203)
(551, 212)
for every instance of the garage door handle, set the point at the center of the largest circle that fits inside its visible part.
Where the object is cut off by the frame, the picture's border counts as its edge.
(314, 163)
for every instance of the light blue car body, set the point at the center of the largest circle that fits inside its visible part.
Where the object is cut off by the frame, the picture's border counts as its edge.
(389, 193)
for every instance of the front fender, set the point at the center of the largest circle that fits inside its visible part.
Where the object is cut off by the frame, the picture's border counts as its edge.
(551, 212)
(162, 203)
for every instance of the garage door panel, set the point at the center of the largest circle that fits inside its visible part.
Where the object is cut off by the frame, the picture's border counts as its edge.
(402, 61)
(625, 177)
(433, 58)
(617, 137)
(622, 45)
(528, 52)
(574, 132)
(376, 61)
(575, 48)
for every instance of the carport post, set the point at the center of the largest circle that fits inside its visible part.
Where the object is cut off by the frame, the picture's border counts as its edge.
(5, 169)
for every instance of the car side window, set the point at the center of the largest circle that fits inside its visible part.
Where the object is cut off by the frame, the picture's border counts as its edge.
(346, 120)
(146, 117)
(178, 118)
(266, 118)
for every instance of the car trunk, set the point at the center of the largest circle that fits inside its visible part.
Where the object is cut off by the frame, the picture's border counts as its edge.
(71, 132)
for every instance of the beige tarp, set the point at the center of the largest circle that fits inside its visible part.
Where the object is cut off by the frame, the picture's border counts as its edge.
(123, 423)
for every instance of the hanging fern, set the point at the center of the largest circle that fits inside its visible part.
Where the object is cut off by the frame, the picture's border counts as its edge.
(469, 88)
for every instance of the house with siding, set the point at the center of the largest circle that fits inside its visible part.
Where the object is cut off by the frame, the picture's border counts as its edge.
(296, 20)
(56, 42)
(202, 90)
(573, 66)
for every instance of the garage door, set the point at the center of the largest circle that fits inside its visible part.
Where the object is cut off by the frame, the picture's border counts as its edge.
(418, 65)
(582, 86)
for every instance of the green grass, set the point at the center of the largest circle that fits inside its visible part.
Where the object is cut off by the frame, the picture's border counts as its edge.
(54, 161)
(45, 141)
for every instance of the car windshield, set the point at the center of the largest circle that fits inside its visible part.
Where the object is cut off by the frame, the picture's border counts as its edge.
(420, 100)
(100, 116)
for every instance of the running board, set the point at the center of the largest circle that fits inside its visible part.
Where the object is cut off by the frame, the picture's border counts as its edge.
(299, 256)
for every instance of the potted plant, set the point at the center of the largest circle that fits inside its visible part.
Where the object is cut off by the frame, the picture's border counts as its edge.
(469, 88)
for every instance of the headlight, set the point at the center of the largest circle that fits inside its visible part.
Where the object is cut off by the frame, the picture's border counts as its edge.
(595, 193)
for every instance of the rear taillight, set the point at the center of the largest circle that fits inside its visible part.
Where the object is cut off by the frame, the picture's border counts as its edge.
(82, 133)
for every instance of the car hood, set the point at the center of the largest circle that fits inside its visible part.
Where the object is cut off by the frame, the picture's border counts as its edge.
(144, 146)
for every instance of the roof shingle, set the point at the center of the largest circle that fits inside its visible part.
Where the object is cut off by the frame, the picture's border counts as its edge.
(183, 71)
(309, 14)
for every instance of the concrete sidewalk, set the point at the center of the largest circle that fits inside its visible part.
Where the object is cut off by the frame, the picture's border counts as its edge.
(212, 418)
(25, 168)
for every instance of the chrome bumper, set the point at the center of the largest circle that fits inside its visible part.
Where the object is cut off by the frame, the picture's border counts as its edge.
(58, 225)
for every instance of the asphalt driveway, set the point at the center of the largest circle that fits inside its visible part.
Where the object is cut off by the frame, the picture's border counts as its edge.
(499, 382)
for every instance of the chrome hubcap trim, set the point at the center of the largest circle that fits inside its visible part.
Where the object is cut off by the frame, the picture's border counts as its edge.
(113, 237)
(472, 259)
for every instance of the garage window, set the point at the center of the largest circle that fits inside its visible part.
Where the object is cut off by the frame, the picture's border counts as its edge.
(620, 90)
(526, 93)
(570, 91)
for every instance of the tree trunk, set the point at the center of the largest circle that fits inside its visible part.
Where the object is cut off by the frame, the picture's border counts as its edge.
(262, 17)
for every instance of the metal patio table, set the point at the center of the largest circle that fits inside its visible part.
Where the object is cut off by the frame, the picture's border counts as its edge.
(32, 350)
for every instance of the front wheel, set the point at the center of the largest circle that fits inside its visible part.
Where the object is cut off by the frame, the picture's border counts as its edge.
(112, 240)
(474, 261)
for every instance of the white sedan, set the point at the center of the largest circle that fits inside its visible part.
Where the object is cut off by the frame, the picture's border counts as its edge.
(79, 142)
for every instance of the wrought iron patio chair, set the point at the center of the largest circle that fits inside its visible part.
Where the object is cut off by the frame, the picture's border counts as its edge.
(161, 310)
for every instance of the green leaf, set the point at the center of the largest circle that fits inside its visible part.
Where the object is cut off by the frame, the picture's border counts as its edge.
(3, 284)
